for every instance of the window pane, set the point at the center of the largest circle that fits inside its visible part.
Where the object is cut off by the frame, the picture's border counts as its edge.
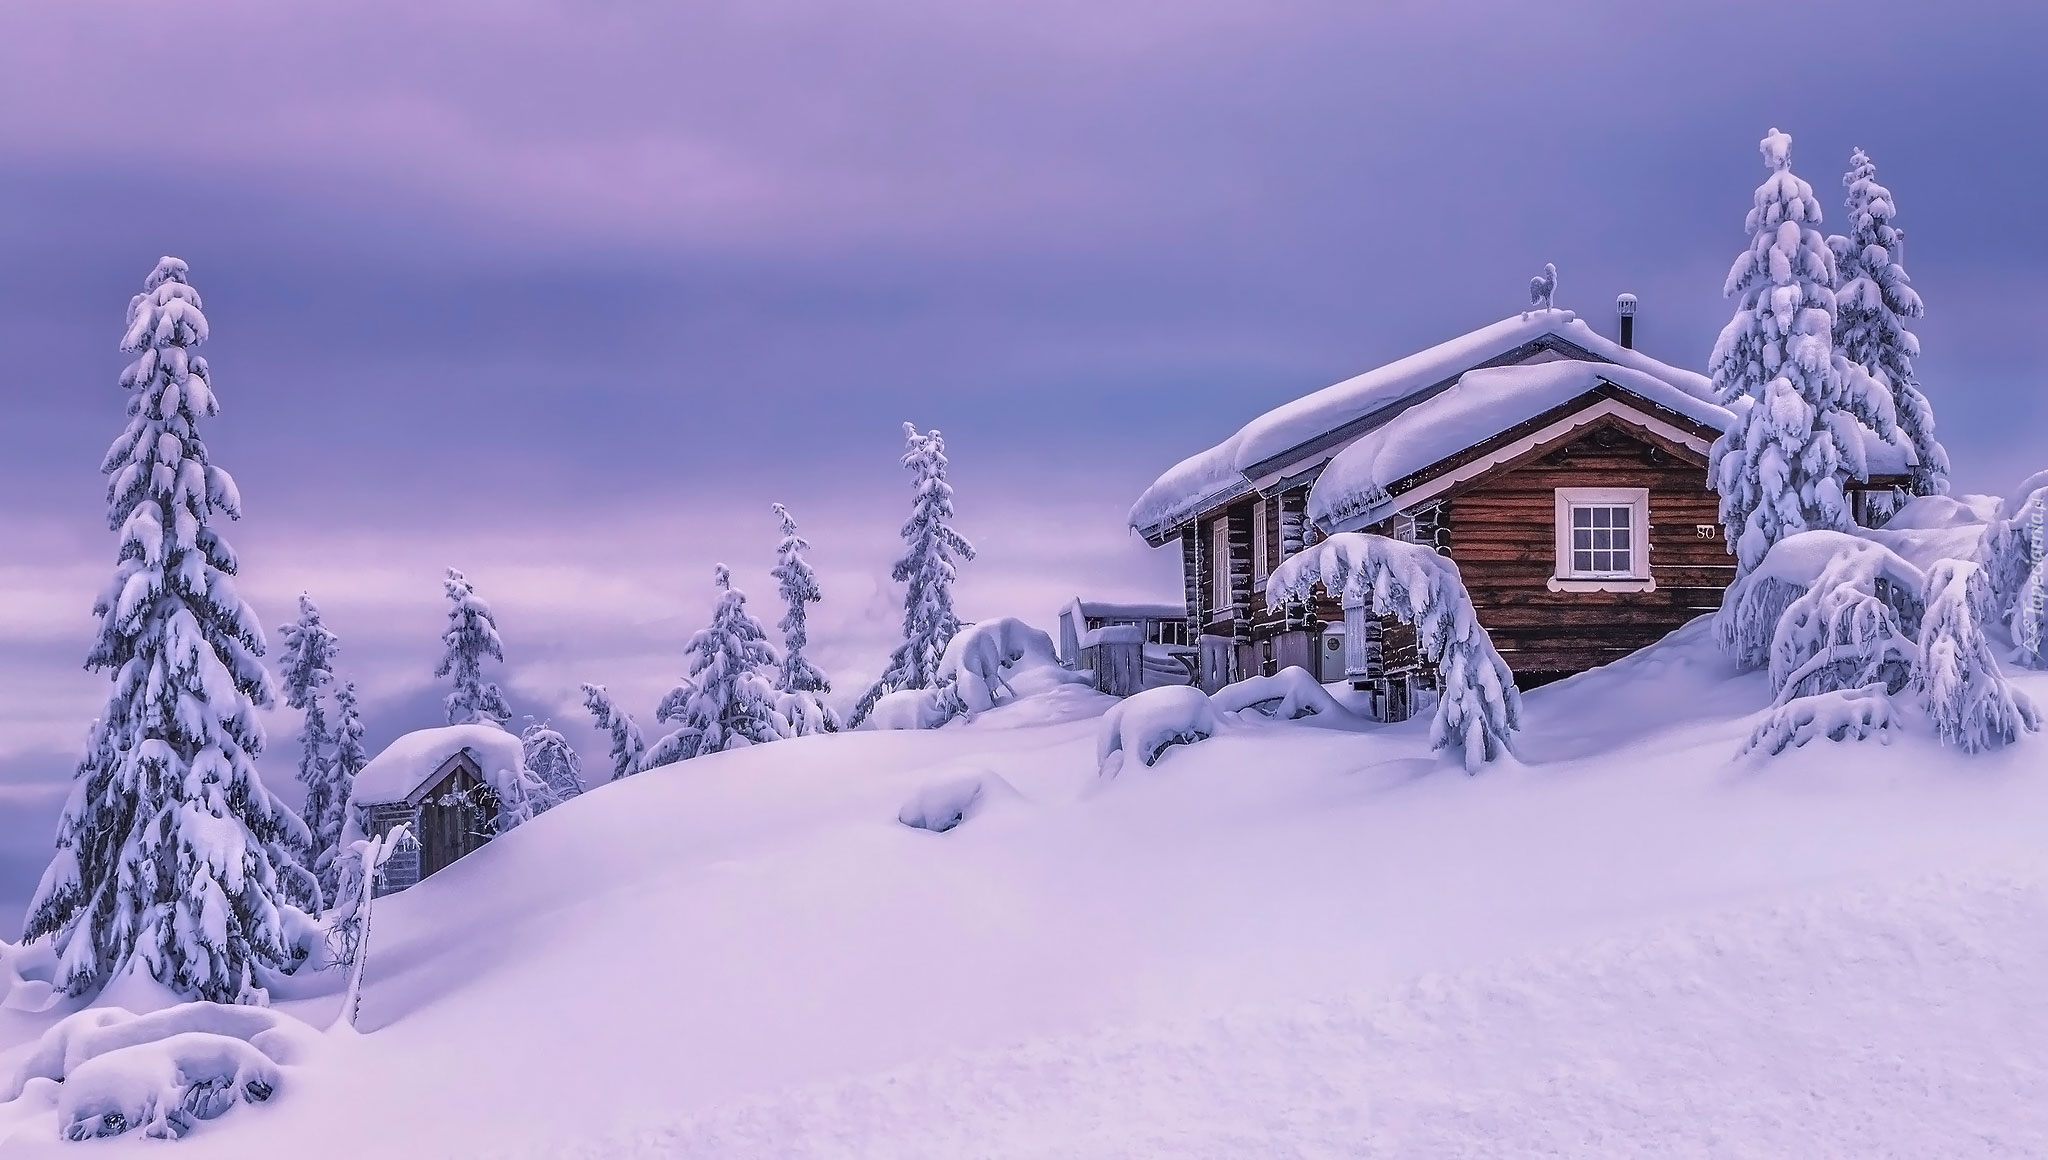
(1582, 561)
(1582, 517)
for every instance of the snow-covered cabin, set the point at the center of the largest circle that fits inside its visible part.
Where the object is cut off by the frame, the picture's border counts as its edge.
(1128, 647)
(444, 783)
(1564, 472)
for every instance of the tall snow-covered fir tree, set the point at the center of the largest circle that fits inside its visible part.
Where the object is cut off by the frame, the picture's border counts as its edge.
(927, 569)
(629, 748)
(171, 855)
(799, 683)
(305, 671)
(471, 637)
(1802, 409)
(1873, 297)
(553, 763)
(799, 590)
(349, 759)
(724, 701)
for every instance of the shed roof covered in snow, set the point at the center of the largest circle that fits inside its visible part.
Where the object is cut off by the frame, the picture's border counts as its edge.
(408, 764)
(1112, 610)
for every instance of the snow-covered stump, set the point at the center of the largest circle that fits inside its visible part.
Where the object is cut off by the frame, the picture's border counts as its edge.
(1146, 725)
(1479, 709)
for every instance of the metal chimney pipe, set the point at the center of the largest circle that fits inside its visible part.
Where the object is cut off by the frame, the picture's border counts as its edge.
(1625, 306)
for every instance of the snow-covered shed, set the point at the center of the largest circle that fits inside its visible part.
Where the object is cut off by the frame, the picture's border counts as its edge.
(1564, 472)
(1127, 646)
(446, 784)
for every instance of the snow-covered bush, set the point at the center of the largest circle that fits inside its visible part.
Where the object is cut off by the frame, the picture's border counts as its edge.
(943, 805)
(1851, 618)
(553, 763)
(1967, 698)
(989, 663)
(1845, 623)
(1289, 695)
(470, 638)
(171, 856)
(927, 569)
(1147, 724)
(1479, 708)
(1801, 407)
(160, 1072)
(2014, 554)
(1838, 715)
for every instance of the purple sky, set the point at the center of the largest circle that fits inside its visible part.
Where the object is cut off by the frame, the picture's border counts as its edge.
(566, 295)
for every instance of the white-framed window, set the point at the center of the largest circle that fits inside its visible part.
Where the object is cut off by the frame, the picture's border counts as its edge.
(1603, 540)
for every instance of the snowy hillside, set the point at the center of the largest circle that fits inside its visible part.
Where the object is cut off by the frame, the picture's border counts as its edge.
(1287, 940)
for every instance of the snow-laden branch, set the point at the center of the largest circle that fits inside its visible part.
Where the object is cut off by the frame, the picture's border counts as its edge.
(1480, 708)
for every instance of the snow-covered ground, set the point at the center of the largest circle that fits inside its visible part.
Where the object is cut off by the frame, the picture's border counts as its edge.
(1288, 940)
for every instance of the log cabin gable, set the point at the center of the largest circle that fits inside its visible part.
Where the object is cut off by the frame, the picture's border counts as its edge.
(1667, 431)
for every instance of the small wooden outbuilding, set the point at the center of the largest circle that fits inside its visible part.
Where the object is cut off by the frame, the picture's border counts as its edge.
(443, 783)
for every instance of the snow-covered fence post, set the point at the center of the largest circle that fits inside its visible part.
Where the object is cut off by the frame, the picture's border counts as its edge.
(1480, 708)
(371, 854)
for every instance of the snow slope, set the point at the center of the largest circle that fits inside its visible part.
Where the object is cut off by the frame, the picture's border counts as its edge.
(1283, 941)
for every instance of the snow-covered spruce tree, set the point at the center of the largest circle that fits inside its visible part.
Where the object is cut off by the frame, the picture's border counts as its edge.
(305, 671)
(1966, 696)
(553, 763)
(171, 855)
(724, 701)
(349, 759)
(472, 635)
(797, 681)
(927, 569)
(1800, 406)
(1873, 297)
(628, 747)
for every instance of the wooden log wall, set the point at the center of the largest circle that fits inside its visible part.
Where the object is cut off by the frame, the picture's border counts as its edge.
(1503, 537)
(1239, 531)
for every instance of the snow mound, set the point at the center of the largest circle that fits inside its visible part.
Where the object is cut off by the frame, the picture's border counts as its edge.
(160, 1072)
(1288, 695)
(407, 763)
(1926, 513)
(986, 665)
(1149, 723)
(943, 805)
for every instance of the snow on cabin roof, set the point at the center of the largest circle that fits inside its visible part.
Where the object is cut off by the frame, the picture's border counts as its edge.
(1109, 610)
(407, 763)
(1221, 473)
(1480, 405)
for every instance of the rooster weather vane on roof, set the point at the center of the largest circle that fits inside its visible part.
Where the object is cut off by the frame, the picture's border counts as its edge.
(1542, 289)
